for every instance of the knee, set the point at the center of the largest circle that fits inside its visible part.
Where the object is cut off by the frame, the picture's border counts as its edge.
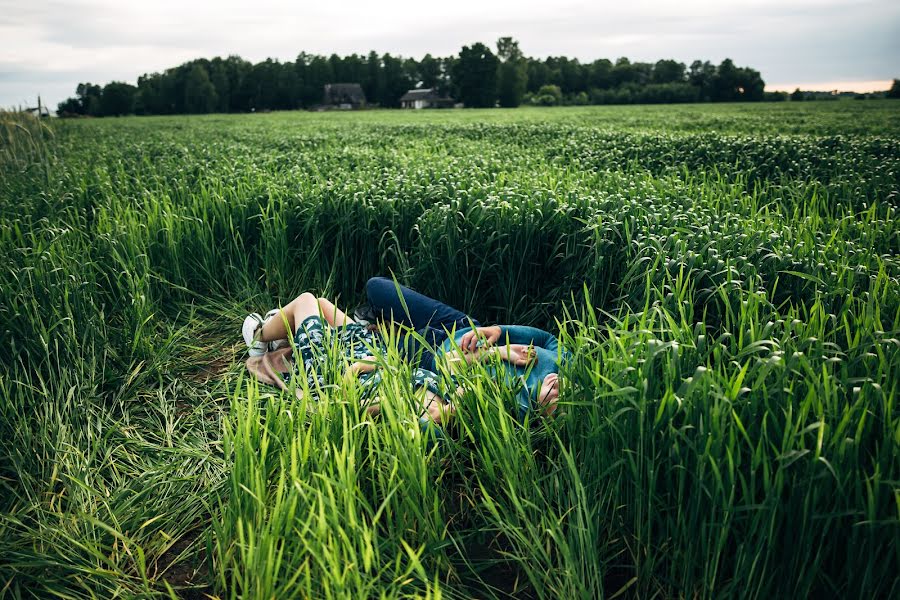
(305, 299)
(376, 287)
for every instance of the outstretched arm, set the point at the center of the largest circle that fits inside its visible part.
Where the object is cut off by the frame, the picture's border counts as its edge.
(520, 355)
(512, 334)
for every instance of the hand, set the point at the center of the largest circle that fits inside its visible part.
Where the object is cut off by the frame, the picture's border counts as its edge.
(519, 355)
(488, 335)
(366, 365)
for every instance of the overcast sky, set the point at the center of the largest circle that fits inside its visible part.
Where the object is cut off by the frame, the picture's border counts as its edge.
(49, 46)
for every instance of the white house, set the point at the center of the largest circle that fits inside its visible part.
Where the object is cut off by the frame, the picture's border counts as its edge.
(425, 98)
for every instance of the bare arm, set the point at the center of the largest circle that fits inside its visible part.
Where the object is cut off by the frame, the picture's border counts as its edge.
(517, 354)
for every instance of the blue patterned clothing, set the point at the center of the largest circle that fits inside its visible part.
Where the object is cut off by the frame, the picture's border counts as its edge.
(316, 341)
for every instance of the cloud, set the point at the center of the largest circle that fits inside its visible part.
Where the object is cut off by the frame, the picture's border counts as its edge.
(59, 43)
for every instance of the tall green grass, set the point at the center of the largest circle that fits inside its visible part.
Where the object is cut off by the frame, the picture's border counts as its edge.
(731, 299)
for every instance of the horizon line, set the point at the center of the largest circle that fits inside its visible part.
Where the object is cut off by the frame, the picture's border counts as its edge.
(859, 87)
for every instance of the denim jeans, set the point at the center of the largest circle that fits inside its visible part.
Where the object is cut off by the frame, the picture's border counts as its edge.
(428, 317)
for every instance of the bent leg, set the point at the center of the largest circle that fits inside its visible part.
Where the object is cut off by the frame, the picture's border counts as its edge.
(291, 315)
(332, 314)
(400, 304)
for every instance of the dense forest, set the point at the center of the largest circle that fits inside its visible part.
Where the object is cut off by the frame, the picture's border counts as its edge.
(478, 77)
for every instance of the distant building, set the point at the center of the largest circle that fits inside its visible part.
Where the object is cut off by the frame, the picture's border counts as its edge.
(38, 111)
(345, 96)
(426, 98)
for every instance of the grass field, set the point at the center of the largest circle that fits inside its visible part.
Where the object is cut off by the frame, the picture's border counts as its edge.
(727, 278)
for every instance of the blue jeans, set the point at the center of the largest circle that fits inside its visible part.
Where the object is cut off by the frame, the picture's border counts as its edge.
(429, 318)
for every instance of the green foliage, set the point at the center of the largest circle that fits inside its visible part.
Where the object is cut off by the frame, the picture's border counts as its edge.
(894, 92)
(548, 95)
(727, 279)
(117, 99)
(512, 75)
(475, 76)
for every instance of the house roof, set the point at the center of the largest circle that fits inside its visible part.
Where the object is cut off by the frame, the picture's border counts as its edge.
(423, 94)
(341, 93)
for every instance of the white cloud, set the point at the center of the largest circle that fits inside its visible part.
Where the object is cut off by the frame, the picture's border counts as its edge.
(55, 44)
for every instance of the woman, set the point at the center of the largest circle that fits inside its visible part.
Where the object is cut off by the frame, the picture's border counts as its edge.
(329, 344)
(530, 357)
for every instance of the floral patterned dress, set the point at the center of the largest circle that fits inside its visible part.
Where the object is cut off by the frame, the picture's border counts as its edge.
(327, 351)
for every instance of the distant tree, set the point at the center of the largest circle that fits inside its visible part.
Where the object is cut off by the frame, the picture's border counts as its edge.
(69, 107)
(573, 77)
(354, 69)
(702, 75)
(89, 96)
(319, 72)
(626, 71)
(373, 85)
(396, 80)
(448, 83)
(512, 74)
(149, 99)
(239, 91)
(797, 96)
(726, 82)
(580, 99)
(600, 74)
(894, 92)
(445, 83)
(475, 74)
(668, 71)
(429, 72)
(750, 85)
(199, 91)
(538, 74)
(337, 69)
(218, 75)
(548, 95)
(117, 98)
(412, 73)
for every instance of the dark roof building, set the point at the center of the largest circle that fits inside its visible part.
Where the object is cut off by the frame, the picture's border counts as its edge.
(425, 98)
(38, 111)
(344, 95)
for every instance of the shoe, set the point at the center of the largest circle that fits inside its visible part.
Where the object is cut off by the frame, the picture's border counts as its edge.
(252, 324)
(283, 342)
(365, 315)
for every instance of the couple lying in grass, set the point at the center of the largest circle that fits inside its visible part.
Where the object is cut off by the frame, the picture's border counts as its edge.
(437, 339)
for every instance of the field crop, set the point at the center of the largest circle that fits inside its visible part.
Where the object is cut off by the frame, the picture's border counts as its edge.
(726, 277)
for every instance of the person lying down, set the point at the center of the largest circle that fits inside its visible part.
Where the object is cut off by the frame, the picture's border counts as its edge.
(530, 358)
(322, 332)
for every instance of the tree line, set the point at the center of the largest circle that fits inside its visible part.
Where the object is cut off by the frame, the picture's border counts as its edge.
(478, 77)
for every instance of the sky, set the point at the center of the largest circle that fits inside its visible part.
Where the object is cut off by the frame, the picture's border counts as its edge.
(48, 46)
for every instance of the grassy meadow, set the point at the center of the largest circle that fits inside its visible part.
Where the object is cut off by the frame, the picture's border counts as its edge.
(727, 278)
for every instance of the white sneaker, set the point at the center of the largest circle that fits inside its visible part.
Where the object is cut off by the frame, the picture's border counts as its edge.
(252, 324)
(283, 342)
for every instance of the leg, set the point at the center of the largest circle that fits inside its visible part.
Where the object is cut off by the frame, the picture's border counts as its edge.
(303, 306)
(332, 314)
(284, 324)
(402, 305)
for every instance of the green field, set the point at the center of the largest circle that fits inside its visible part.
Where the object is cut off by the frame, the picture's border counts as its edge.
(727, 277)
